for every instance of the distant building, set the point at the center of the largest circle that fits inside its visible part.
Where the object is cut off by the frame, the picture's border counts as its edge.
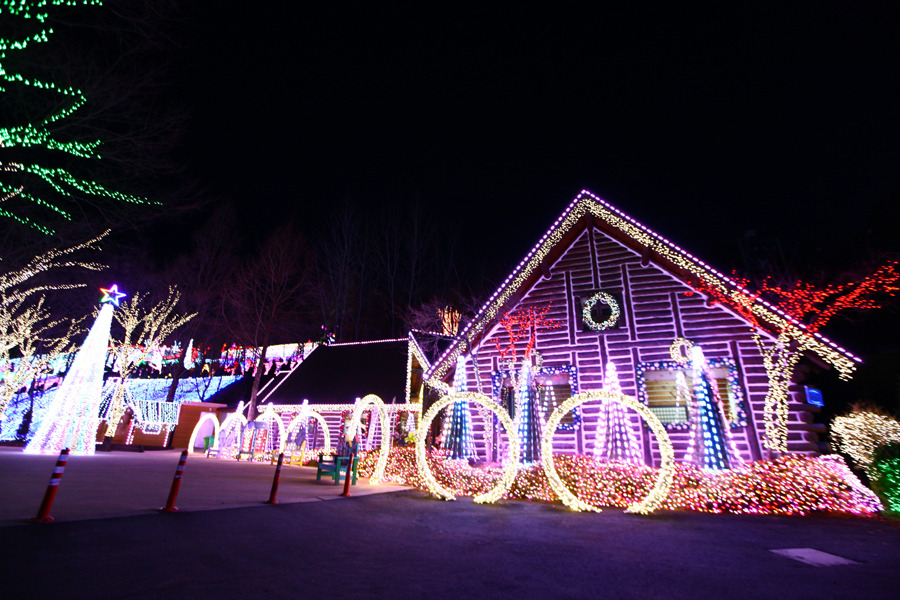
(333, 377)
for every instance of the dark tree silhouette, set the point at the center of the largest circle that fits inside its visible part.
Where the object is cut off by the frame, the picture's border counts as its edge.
(200, 275)
(270, 296)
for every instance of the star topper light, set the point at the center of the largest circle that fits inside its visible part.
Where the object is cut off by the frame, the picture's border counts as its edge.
(112, 295)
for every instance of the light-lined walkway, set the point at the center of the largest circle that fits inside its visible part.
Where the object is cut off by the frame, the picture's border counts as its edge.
(119, 484)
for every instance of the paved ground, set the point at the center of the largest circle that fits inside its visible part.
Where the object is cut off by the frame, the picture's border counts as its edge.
(406, 545)
(119, 484)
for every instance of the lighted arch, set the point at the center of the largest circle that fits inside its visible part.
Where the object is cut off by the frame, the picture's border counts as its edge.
(358, 410)
(512, 462)
(298, 420)
(666, 469)
(232, 421)
(207, 416)
(269, 415)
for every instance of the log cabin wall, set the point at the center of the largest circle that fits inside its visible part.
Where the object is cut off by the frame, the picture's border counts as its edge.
(656, 308)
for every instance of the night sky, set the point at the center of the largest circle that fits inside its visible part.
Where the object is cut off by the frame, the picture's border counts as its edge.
(702, 123)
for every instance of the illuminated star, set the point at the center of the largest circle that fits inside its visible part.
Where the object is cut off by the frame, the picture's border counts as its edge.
(112, 295)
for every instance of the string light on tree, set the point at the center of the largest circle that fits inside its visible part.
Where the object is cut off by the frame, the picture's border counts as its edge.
(38, 133)
(152, 324)
(806, 308)
(886, 479)
(861, 433)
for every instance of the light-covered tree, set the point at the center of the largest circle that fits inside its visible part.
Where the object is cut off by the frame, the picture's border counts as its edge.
(145, 327)
(806, 308)
(44, 165)
(30, 337)
(522, 324)
(615, 441)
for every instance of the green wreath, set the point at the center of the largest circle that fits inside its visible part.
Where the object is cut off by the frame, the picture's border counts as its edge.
(589, 306)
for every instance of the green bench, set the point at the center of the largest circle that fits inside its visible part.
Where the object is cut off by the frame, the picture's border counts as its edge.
(336, 468)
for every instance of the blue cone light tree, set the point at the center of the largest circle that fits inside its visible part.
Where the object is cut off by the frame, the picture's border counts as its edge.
(458, 434)
(711, 446)
(528, 417)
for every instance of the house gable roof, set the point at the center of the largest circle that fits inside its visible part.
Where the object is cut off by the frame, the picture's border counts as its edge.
(587, 211)
(340, 373)
(429, 346)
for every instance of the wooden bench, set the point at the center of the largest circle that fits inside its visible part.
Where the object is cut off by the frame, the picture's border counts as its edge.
(336, 468)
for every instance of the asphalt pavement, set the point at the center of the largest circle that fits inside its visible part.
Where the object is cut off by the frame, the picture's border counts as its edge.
(403, 544)
(119, 484)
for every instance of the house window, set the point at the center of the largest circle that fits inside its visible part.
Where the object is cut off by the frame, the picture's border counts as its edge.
(554, 386)
(657, 385)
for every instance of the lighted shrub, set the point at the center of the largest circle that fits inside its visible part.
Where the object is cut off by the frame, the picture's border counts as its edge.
(795, 485)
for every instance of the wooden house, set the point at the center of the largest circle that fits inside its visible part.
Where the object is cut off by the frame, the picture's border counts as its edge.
(619, 292)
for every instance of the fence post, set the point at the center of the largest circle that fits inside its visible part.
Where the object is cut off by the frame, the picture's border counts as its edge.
(43, 514)
(274, 491)
(176, 484)
(346, 492)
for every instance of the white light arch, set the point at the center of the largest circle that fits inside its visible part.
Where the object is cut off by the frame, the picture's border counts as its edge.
(207, 416)
(510, 468)
(298, 421)
(269, 415)
(235, 420)
(666, 469)
(358, 410)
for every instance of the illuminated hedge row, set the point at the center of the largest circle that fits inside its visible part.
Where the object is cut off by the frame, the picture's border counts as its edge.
(790, 485)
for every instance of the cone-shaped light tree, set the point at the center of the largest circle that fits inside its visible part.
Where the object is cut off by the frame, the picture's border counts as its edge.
(528, 417)
(72, 418)
(711, 445)
(615, 439)
(683, 397)
(458, 438)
